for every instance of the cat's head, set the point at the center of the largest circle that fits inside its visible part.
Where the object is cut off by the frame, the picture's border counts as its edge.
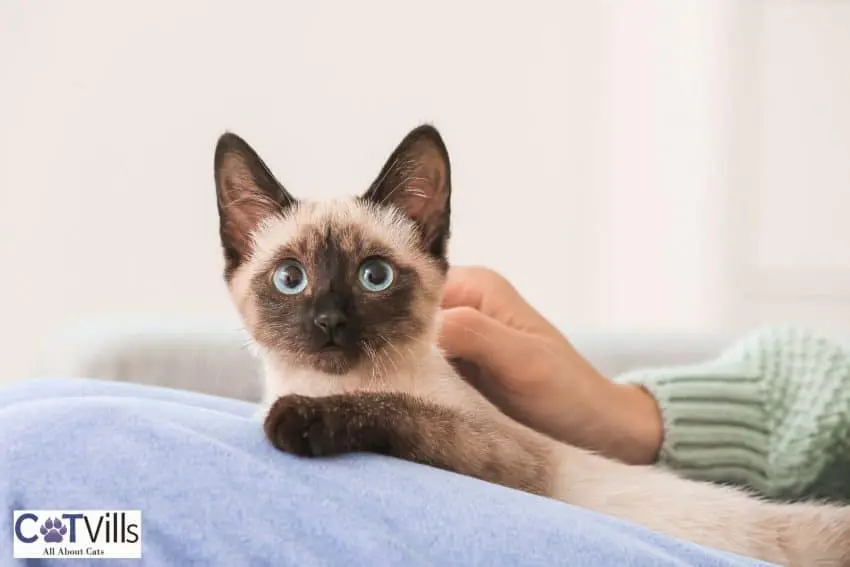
(337, 285)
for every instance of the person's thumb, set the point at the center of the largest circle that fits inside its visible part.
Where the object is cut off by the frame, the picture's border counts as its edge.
(472, 336)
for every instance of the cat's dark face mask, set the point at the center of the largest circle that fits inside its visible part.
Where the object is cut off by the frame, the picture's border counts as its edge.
(333, 285)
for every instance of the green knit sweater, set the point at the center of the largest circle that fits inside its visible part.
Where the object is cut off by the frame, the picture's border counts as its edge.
(772, 413)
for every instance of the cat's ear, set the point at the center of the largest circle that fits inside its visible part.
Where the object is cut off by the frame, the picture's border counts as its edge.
(417, 180)
(247, 192)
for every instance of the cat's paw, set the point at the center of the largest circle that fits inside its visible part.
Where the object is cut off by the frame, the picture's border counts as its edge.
(309, 427)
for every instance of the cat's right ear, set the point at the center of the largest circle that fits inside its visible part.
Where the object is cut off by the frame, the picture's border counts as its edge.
(248, 194)
(416, 179)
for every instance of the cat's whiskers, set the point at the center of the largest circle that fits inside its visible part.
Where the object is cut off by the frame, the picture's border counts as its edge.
(394, 362)
(370, 356)
(383, 371)
(394, 347)
(377, 365)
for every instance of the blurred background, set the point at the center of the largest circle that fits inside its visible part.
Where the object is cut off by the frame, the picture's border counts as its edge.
(631, 165)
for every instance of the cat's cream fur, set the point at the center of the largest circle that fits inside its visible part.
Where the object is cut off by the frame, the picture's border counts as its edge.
(720, 517)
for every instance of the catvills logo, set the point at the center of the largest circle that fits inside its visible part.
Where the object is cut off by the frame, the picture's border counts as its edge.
(68, 534)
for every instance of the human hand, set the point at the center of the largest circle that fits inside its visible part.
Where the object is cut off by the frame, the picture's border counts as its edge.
(526, 367)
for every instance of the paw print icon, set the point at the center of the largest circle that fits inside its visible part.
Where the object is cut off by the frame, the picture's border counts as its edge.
(52, 530)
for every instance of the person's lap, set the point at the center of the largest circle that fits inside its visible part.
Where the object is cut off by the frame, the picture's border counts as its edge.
(213, 492)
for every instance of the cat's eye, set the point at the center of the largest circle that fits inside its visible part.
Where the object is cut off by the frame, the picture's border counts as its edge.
(375, 275)
(290, 278)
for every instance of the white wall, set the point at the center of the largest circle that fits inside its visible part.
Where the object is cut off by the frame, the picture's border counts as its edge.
(793, 184)
(650, 165)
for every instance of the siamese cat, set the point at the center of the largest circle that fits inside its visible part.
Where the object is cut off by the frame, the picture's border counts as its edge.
(341, 299)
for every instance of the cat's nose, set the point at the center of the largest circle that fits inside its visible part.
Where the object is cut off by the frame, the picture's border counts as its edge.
(330, 321)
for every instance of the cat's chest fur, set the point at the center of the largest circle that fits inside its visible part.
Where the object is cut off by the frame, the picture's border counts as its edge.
(427, 375)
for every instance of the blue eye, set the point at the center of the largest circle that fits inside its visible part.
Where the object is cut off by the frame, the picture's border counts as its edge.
(375, 275)
(290, 278)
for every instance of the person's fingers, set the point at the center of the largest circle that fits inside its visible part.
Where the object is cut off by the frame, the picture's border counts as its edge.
(476, 287)
(462, 288)
(470, 335)
(484, 290)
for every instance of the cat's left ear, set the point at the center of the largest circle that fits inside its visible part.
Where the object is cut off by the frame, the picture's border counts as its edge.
(417, 180)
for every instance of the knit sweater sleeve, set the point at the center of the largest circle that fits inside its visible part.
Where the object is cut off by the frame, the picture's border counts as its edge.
(772, 412)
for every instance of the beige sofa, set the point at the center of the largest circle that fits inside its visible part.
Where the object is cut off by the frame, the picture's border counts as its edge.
(214, 358)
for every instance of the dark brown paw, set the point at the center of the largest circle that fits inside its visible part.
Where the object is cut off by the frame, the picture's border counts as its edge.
(310, 427)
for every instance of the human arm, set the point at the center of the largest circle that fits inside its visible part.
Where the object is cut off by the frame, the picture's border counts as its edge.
(786, 391)
(526, 366)
(771, 412)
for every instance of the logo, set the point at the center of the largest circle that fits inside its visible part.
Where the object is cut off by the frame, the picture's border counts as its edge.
(53, 530)
(69, 534)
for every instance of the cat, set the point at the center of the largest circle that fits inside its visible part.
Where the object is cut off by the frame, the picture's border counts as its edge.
(341, 299)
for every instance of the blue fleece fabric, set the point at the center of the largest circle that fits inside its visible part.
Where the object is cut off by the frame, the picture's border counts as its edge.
(213, 492)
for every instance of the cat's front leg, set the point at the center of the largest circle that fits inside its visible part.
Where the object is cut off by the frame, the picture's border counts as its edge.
(330, 425)
(407, 427)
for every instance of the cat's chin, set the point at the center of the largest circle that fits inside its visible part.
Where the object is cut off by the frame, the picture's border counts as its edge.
(330, 361)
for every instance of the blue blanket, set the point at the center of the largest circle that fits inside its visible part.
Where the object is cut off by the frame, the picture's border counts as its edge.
(213, 492)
